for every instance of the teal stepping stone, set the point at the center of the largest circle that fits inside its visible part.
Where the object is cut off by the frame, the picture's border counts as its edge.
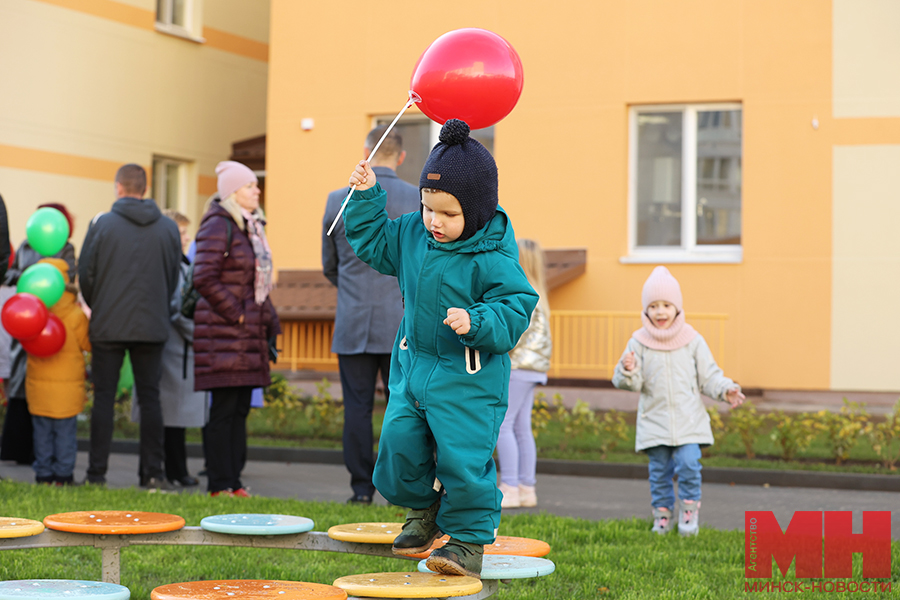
(62, 588)
(501, 566)
(256, 524)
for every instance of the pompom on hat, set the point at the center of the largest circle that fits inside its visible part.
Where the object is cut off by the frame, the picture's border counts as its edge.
(461, 166)
(232, 177)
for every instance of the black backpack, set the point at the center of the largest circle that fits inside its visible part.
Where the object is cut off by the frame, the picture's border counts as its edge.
(189, 294)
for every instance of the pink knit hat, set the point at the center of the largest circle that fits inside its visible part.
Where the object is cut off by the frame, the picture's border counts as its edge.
(661, 285)
(232, 177)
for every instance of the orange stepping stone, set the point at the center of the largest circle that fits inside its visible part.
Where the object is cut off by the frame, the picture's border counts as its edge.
(114, 522)
(247, 589)
(14, 528)
(504, 544)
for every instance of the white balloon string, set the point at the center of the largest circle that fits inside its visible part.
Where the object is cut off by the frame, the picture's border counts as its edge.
(413, 98)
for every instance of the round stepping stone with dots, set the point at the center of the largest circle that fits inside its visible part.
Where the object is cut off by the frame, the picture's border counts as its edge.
(114, 522)
(408, 585)
(247, 589)
(366, 533)
(14, 528)
(257, 524)
(71, 589)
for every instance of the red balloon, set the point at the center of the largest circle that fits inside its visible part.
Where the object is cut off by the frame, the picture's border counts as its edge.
(469, 74)
(49, 341)
(24, 316)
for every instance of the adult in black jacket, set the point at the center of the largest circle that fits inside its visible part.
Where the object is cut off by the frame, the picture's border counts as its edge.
(128, 270)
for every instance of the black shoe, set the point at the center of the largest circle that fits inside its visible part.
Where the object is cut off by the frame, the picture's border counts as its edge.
(95, 480)
(48, 480)
(186, 481)
(360, 499)
(61, 481)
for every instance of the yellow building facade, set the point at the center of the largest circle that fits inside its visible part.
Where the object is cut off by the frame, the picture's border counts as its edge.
(751, 146)
(89, 85)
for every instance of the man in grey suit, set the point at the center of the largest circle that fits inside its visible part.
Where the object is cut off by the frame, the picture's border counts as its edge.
(369, 310)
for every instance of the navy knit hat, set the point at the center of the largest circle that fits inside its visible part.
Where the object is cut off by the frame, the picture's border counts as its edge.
(461, 166)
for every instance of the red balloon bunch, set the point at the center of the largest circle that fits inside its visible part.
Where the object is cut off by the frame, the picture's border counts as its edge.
(469, 74)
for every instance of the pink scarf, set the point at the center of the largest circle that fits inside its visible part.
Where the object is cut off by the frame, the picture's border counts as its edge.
(677, 335)
(262, 283)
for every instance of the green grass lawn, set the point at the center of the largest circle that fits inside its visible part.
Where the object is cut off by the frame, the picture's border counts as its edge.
(605, 559)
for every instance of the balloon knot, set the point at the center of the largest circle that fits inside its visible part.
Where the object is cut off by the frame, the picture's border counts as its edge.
(454, 132)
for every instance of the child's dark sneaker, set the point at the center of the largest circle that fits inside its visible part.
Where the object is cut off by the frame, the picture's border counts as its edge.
(419, 531)
(689, 519)
(662, 521)
(457, 558)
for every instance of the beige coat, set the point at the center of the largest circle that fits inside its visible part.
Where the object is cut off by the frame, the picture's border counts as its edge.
(670, 411)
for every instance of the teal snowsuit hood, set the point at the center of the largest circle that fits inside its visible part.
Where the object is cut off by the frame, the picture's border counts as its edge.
(448, 392)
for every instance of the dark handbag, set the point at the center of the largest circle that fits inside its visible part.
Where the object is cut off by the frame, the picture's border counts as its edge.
(189, 294)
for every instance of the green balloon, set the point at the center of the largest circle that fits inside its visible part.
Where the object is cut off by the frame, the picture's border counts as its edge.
(47, 231)
(126, 378)
(44, 281)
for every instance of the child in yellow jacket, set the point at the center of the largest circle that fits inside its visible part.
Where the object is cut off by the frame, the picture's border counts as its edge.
(54, 387)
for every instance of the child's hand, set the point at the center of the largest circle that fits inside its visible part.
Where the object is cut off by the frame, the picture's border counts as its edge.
(629, 362)
(735, 397)
(363, 177)
(458, 319)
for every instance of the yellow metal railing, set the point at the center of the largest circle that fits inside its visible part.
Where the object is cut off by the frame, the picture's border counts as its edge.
(587, 344)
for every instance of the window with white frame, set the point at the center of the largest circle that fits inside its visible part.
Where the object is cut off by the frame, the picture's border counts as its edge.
(685, 183)
(170, 183)
(420, 134)
(179, 17)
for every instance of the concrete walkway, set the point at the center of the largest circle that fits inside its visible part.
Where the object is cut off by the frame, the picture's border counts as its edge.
(591, 498)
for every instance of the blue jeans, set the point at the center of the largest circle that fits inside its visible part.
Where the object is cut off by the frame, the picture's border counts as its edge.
(55, 447)
(668, 461)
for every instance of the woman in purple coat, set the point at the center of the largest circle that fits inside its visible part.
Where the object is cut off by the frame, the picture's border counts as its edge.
(234, 319)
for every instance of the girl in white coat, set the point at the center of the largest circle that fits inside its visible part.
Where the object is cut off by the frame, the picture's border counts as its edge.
(669, 363)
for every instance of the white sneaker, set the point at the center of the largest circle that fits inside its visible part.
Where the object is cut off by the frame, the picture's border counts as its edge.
(689, 517)
(510, 496)
(527, 496)
(662, 521)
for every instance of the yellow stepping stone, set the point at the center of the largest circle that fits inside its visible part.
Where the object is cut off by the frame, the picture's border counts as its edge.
(14, 528)
(366, 533)
(408, 585)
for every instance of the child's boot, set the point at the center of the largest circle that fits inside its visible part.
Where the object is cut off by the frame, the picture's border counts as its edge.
(527, 496)
(419, 531)
(457, 558)
(510, 496)
(662, 521)
(689, 519)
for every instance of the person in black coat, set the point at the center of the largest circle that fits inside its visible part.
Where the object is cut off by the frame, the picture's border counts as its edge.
(369, 310)
(128, 271)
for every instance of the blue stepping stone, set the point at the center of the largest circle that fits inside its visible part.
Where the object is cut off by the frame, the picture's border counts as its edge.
(501, 566)
(252, 524)
(62, 588)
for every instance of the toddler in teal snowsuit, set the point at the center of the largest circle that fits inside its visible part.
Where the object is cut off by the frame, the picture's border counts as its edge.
(466, 303)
